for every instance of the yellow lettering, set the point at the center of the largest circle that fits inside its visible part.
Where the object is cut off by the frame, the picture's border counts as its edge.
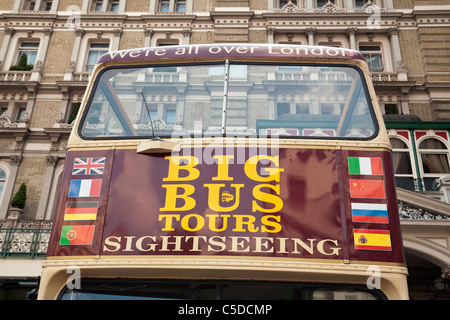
(250, 168)
(222, 168)
(172, 196)
(168, 219)
(200, 222)
(249, 222)
(274, 225)
(212, 222)
(214, 197)
(267, 197)
(175, 168)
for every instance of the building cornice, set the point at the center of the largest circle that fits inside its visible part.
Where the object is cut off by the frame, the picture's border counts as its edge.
(423, 202)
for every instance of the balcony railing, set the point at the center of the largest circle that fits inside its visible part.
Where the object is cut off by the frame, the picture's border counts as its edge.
(384, 76)
(15, 76)
(24, 239)
(81, 76)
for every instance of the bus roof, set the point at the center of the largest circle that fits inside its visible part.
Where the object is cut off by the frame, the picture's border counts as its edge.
(230, 51)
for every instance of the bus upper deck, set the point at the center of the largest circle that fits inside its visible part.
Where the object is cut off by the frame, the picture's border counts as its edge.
(211, 163)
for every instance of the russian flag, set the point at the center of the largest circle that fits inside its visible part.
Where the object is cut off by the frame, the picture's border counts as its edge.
(85, 188)
(370, 212)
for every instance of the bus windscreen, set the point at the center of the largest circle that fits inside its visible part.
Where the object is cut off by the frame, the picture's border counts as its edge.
(255, 100)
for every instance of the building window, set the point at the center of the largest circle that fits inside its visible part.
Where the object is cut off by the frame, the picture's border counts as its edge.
(434, 160)
(401, 157)
(20, 113)
(29, 5)
(30, 50)
(282, 3)
(321, 3)
(172, 6)
(95, 51)
(26, 56)
(360, 3)
(73, 112)
(2, 181)
(105, 5)
(164, 6)
(373, 57)
(170, 116)
(115, 5)
(180, 6)
(390, 108)
(434, 155)
(97, 5)
(302, 108)
(48, 5)
(283, 108)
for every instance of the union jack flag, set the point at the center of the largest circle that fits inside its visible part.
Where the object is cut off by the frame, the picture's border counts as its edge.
(85, 166)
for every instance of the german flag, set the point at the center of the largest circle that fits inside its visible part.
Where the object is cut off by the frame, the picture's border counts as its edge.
(86, 210)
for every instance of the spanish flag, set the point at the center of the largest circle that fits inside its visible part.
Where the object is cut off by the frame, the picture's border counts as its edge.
(378, 240)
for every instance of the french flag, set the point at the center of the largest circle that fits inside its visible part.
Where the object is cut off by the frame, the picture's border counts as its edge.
(85, 188)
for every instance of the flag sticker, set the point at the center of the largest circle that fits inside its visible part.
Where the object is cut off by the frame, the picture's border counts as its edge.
(370, 213)
(365, 165)
(88, 166)
(81, 211)
(372, 189)
(85, 188)
(378, 240)
(77, 235)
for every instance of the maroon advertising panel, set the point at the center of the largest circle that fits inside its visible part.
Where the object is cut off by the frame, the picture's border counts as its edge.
(295, 203)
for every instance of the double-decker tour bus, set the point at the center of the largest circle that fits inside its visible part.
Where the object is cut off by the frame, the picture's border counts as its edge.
(227, 171)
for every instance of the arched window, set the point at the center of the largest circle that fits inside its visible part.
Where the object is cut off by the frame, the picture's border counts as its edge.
(400, 156)
(434, 160)
(434, 156)
(401, 159)
(5, 189)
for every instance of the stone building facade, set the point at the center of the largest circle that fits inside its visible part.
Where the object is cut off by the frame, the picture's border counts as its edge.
(407, 44)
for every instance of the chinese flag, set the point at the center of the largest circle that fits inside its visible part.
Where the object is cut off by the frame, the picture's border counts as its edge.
(372, 189)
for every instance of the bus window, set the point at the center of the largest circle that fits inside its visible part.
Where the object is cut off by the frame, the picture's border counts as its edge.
(258, 100)
(215, 290)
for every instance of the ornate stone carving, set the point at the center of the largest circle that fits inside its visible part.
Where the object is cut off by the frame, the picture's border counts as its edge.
(290, 8)
(330, 7)
(406, 212)
(5, 122)
(371, 8)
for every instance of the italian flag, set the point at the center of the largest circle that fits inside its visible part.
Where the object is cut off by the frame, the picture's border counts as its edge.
(77, 235)
(365, 165)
